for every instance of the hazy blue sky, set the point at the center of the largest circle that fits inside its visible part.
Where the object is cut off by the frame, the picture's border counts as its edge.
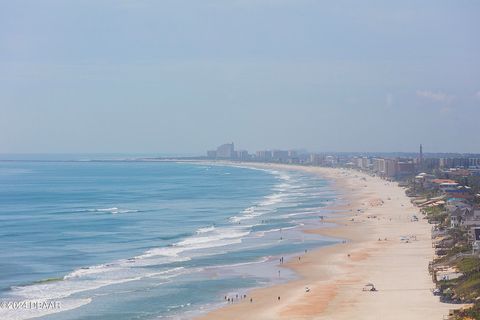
(185, 76)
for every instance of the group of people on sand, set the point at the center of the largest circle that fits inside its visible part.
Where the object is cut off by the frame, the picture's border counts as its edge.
(282, 260)
(237, 298)
(244, 297)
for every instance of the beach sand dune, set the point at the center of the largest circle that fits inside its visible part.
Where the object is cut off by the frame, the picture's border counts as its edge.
(383, 247)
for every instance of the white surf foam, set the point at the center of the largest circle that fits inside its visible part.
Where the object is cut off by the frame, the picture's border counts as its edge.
(205, 238)
(213, 238)
(205, 230)
(87, 271)
(267, 205)
(62, 291)
(107, 209)
(113, 210)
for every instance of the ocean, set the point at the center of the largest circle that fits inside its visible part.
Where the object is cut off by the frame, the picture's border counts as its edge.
(148, 240)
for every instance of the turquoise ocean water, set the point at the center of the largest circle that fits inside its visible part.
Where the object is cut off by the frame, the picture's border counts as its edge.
(148, 240)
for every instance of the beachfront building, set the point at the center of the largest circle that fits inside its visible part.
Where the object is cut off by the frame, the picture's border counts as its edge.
(390, 168)
(424, 179)
(457, 173)
(381, 166)
(361, 162)
(263, 155)
(405, 169)
(356, 162)
(226, 151)
(474, 162)
(441, 184)
(280, 155)
(366, 163)
(454, 162)
(463, 192)
(458, 217)
(430, 164)
(292, 154)
(384, 167)
(242, 155)
(378, 165)
(465, 217)
(331, 161)
(316, 159)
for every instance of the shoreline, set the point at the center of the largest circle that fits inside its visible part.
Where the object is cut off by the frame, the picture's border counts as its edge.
(336, 274)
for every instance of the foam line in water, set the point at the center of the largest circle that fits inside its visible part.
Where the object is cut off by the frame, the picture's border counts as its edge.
(205, 230)
(113, 210)
(62, 290)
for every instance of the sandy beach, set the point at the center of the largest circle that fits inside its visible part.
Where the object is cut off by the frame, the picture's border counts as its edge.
(383, 247)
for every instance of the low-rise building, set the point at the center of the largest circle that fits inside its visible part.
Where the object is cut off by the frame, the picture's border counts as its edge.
(437, 183)
(212, 154)
(463, 192)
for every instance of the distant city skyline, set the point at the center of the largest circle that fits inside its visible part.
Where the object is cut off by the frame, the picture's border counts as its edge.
(229, 151)
(180, 77)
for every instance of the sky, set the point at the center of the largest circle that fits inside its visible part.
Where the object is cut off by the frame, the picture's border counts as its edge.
(184, 76)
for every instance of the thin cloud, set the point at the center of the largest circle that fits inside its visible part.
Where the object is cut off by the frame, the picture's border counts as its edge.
(389, 100)
(445, 110)
(437, 96)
